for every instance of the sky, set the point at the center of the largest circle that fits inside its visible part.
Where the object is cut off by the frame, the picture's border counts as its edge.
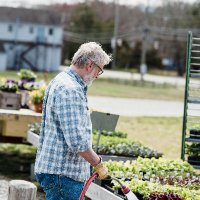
(29, 3)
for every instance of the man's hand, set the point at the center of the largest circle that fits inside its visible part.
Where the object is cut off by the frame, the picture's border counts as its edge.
(96, 162)
(101, 170)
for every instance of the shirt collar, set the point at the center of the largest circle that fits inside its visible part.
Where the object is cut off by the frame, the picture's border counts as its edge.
(74, 75)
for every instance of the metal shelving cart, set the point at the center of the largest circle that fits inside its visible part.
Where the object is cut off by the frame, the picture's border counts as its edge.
(190, 150)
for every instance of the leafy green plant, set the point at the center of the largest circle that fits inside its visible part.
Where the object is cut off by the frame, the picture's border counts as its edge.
(196, 126)
(110, 145)
(193, 149)
(145, 188)
(27, 74)
(34, 127)
(145, 176)
(114, 145)
(130, 149)
(16, 159)
(17, 149)
(193, 152)
(145, 168)
(112, 133)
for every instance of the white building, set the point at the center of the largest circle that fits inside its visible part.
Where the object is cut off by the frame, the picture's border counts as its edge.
(30, 38)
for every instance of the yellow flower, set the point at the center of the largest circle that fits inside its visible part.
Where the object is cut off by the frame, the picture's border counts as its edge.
(37, 96)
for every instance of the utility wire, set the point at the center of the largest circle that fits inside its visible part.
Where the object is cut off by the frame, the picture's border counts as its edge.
(161, 32)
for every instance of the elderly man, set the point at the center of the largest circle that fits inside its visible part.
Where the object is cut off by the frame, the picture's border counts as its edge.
(65, 150)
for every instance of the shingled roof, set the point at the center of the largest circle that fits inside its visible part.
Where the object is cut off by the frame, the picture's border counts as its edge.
(8, 14)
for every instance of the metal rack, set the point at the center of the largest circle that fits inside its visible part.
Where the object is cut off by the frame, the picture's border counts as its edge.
(190, 149)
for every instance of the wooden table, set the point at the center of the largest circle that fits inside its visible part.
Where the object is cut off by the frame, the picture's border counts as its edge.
(14, 123)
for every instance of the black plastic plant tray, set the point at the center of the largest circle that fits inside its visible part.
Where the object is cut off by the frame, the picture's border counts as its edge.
(192, 136)
(194, 133)
(194, 162)
(107, 184)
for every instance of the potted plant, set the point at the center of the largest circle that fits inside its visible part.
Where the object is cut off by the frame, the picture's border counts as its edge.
(8, 86)
(36, 98)
(24, 88)
(27, 75)
(9, 98)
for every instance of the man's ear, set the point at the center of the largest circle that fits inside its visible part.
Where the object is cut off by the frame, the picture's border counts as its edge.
(89, 68)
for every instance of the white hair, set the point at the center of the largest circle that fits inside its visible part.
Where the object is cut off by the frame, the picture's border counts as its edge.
(90, 51)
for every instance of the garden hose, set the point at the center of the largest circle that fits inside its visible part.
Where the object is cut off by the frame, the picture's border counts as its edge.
(126, 191)
(87, 184)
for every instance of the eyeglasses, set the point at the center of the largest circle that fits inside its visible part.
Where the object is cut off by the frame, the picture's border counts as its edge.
(100, 70)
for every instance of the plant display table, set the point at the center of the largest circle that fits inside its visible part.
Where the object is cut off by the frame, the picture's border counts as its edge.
(143, 176)
(14, 123)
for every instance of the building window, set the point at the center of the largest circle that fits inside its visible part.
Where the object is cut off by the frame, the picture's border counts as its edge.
(31, 29)
(11, 47)
(10, 28)
(50, 31)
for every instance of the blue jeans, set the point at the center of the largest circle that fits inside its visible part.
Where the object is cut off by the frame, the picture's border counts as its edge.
(59, 187)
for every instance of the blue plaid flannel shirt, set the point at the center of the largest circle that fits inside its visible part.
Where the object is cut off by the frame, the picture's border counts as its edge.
(66, 128)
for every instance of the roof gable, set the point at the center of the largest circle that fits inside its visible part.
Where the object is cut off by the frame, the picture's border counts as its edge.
(29, 15)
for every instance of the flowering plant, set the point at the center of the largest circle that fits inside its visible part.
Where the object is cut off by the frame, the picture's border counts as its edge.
(8, 85)
(37, 96)
(28, 85)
